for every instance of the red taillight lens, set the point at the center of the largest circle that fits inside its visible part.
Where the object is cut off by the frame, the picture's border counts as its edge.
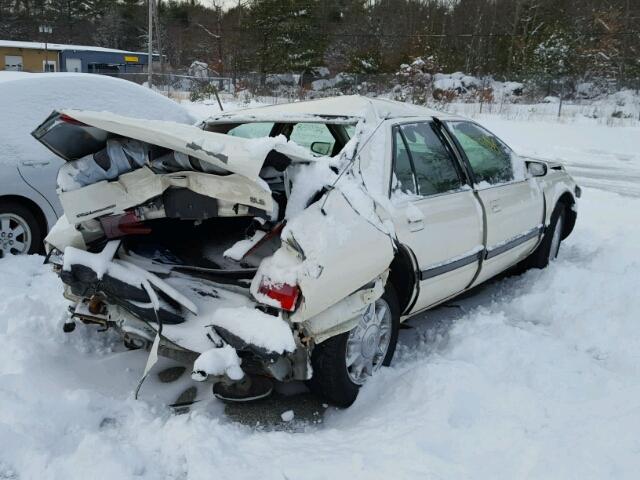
(286, 295)
(67, 119)
(116, 226)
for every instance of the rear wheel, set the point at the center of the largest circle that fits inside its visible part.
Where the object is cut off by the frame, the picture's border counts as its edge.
(342, 364)
(19, 230)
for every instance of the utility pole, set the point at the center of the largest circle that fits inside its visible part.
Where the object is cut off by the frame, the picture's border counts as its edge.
(45, 30)
(219, 27)
(158, 36)
(150, 50)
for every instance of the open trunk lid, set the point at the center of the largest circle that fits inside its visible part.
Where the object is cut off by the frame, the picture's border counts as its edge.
(73, 134)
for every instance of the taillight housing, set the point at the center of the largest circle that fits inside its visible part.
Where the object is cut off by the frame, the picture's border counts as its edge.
(282, 293)
(67, 119)
(128, 223)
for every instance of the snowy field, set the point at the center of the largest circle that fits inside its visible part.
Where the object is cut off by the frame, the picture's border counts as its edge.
(536, 376)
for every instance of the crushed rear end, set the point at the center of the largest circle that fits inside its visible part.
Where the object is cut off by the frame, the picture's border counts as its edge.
(205, 248)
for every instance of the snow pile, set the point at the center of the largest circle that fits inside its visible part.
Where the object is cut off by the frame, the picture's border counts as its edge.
(307, 181)
(127, 272)
(287, 416)
(543, 366)
(255, 327)
(283, 267)
(239, 249)
(219, 361)
(334, 82)
(451, 82)
(29, 100)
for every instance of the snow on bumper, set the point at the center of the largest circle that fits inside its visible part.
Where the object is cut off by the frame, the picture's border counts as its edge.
(208, 315)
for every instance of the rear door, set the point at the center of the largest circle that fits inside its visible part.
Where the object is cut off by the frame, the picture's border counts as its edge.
(437, 215)
(514, 206)
(41, 175)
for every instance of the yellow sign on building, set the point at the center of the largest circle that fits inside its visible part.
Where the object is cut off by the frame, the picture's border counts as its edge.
(132, 59)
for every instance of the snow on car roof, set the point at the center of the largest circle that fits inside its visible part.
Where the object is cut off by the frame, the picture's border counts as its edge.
(59, 47)
(27, 99)
(343, 109)
(8, 76)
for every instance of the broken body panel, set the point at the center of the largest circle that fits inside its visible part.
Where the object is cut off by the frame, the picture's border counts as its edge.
(317, 240)
(259, 250)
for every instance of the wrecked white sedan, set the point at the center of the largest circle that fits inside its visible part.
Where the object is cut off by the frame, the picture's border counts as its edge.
(289, 242)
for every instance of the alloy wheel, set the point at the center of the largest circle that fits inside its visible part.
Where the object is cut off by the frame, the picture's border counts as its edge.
(15, 234)
(368, 343)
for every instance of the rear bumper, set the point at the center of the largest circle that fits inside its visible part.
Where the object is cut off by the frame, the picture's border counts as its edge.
(112, 303)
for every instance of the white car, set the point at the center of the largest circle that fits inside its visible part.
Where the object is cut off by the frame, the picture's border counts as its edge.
(289, 242)
(29, 205)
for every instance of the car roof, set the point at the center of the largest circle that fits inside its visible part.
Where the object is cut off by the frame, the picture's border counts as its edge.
(342, 109)
(27, 99)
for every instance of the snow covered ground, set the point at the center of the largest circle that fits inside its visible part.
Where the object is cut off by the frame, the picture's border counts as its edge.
(536, 376)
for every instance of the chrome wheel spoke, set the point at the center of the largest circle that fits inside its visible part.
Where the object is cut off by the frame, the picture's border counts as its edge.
(368, 368)
(353, 355)
(370, 315)
(368, 342)
(19, 246)
(19, 230)
(5, 225)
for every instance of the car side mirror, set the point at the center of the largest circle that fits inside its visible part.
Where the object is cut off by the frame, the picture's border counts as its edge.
(321, 148)
(536, 169)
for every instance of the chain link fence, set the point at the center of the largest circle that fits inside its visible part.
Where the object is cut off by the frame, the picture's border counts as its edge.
(540, 96)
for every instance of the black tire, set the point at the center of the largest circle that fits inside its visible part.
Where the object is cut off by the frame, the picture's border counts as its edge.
(542, 255)
(35, 231)
(330, 378)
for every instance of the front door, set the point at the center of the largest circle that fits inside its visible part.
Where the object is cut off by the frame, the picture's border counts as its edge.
(438, 217)
(514, 206)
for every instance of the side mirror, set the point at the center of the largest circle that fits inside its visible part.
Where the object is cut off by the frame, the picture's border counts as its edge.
(321, 148)
(537, 169)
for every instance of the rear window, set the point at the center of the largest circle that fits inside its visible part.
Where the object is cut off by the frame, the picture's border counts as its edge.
(70, 139)
(252, 130)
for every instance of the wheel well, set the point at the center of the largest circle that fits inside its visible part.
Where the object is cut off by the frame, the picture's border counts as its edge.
(403, 277)
(33, 208)
(567, 199)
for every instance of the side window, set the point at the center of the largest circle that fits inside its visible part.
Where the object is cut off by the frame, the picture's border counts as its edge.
(252, 130)
(350, 129)
(490, 159)
(314, 136)
(433, 163)
(402, 168)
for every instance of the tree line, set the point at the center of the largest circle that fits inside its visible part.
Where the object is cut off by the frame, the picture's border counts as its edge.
(504, 38)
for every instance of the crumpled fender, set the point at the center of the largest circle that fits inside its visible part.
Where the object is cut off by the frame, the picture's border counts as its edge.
(331, 251)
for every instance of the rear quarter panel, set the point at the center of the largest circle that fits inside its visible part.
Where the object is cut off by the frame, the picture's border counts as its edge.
(13, 185)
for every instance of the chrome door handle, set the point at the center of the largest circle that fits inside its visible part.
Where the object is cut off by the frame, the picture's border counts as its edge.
(415, 225)
(28, 163)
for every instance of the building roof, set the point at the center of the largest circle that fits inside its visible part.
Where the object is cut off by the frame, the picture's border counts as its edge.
(348, 107)
(60, 47)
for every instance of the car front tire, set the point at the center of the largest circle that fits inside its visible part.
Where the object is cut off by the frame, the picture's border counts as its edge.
(342, 364)
(548, 249)
(20, 232)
